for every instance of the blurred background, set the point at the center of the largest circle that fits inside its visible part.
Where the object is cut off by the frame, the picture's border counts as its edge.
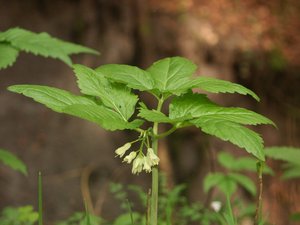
(252, 42)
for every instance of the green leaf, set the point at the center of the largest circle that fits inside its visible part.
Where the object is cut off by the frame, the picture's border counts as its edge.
(227, 185)
(188, 105)
(198, 105)
(244, 181)
(234, 133)
(295, 216)
(171, 75)
(240, 164)
(132, 76)
(293, 171)
(24, 215)
(288, 154)
(159, 117)
(115, 96)
(42, 44)
(101, 115)
(125, 219)
(8, 55)
(12, 161)
(154, 116)
(212, 180)
(214, 85)
(54, 98)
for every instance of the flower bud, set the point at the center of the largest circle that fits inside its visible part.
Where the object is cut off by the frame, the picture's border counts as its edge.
(121, 150)
(137, 165)
(152, 157)
(130, 157)
(147, 165)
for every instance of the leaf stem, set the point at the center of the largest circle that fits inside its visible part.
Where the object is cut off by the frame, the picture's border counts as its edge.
(162, 135)
(154, 190)
(258, 211)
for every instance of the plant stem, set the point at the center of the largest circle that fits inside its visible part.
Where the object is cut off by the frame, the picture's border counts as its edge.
(167, 133)
(40, 199)
(258, 212)
(154, 190)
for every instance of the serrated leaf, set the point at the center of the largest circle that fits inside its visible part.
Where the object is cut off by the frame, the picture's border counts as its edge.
(198, 105)
(115, 96)
(43, 44)
(212, 180)
(8, 55)
(171, 75)
(54, 98)
(288, 154)
(234, 133)
(244, 181)
(132, 76)
(187, 105)
(159, 117)
(103, 116)
(154, 116)
(12, 161)
(214, 85)
(233, 114)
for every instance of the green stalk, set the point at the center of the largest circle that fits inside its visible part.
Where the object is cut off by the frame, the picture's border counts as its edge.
(154, 190)
(40, 199)
(258, 213)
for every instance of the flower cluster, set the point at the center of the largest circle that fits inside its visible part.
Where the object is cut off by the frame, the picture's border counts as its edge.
(139, 160)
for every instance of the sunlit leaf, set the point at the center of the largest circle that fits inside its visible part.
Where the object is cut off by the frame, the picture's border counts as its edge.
(54, 98)
(214, 85)
(103, 116)
(132, 76)
(115, 96)
(172, 74)
(42, 44)
(198, 105)
(234, 133)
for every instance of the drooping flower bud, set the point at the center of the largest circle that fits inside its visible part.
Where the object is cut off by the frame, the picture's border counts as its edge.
(137, 165)
(130, 157)
(147, 164)
(152, 157)
(121, 150)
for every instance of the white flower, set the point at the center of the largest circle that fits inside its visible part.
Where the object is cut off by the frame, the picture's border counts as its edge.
(130, 157)
(147, 164)
(216, 206)
(121, 150)
(137, 165)
(152, 157)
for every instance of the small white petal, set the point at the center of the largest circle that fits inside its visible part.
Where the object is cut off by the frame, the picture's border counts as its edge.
(130, 157)
(121, 150)
(216, 205)
(137, 165)
(147, 165)
(153, 158)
